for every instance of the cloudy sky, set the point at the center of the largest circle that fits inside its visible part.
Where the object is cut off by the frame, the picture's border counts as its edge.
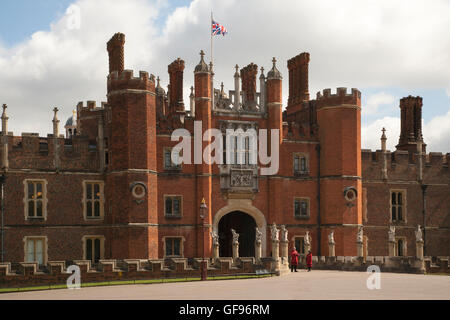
(53, 52)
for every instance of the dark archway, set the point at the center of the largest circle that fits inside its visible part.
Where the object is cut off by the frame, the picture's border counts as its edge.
(245, 225)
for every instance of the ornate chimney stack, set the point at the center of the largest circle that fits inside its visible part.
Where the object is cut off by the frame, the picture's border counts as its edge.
(176, 69)
(298, 81)
(411, 124)
(248, 75)
(115, 48)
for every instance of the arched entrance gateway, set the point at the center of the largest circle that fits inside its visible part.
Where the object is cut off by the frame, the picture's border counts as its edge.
(242, 216)
(244, 225)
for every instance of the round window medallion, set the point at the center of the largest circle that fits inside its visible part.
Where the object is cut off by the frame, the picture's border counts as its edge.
(138, 191)
(350, 194)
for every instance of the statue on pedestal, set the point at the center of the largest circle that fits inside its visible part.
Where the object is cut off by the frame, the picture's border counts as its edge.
(235, 236)
(215, 238)
(331, 237)
(359, 236)
(307, 239)
(418, 234)
(392, 233)
(275, 232)
(284, 234)
(258, 235)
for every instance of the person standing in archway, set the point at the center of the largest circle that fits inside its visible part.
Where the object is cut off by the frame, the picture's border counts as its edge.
(294, 260)
(309, 260)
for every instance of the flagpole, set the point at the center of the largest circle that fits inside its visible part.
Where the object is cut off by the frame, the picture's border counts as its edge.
(212, 63)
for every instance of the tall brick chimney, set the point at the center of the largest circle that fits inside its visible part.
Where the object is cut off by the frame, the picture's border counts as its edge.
(115, 48)
(176, 69)
(298, 81)
(411, 124)
(248, 76)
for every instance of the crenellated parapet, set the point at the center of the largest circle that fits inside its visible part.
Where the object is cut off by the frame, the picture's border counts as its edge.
(403, 165)
(340, 98)
(126, 82)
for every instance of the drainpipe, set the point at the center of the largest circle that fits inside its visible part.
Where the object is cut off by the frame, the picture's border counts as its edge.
(319, 242)
(2, 182)
(424, 191)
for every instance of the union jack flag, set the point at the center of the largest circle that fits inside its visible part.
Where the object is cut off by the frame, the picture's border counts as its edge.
(218, 29)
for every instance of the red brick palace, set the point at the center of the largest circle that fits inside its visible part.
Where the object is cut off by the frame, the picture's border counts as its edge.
(108, 188)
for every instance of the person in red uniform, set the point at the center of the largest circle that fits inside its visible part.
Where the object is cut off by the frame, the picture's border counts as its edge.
(309, 261)
(294, 260)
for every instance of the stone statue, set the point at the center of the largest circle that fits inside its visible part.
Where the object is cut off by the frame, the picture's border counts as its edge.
(284, 234)
(235, 236)
(307, 239)
(258, 235)
(359, 236)
(275, 232)
(419, 234)
(331, 237)
(392, 233)
(215, 238)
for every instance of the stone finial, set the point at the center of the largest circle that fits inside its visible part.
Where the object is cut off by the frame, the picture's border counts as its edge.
(202, 66)
(4, 120)
(159, 90)
(383, 139)
(262, 76)
(237, 73)
(55, 123)
(4, 110)
(274, 73)
(55, 117)
(192, 91)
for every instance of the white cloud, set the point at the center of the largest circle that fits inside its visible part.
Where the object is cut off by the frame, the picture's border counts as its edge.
(352, 43)
(371, 133)
(436, 134)
(375, 101)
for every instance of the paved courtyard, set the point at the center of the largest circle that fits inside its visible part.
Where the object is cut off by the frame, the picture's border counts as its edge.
(293, 286)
